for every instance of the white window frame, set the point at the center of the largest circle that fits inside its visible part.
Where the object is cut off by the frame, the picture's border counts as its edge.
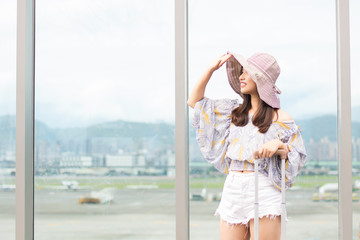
(345, 224)
(24, 225)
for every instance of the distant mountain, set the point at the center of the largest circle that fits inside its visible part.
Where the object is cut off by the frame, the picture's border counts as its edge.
(144, 135)
(318, 127)
(355, 114)
(44, 133)
(155, 134)
(7, 131)
(130, 129)
(326, 125)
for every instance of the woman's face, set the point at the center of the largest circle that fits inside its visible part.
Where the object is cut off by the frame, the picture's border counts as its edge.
(248, 85)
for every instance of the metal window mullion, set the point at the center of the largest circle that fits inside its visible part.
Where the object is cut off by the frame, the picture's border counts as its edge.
(181, 120)
(344, 119)
(25, 120)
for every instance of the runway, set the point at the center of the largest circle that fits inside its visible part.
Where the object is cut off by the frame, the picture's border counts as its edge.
(150, 214)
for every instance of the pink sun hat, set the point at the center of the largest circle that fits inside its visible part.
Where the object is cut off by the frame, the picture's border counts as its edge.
(263, 69)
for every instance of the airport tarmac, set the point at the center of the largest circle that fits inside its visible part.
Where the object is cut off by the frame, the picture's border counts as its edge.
(150, 214)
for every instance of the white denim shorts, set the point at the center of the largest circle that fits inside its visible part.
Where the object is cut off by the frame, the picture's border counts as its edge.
(238, 197)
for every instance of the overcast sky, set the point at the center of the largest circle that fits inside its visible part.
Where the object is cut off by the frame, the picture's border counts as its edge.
(102, 60)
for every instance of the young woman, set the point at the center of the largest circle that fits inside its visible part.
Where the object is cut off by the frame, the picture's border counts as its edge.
(228, 133)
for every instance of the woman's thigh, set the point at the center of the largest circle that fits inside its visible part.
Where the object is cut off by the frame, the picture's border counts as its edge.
(269, 229)
(234, 231)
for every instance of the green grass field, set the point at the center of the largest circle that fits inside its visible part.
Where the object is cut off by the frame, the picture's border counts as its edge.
(165, 183)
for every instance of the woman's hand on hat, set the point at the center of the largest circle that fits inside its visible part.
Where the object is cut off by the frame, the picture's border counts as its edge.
(218, 62)
(269, 148)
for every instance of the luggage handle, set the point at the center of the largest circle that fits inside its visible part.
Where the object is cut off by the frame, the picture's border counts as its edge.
(283, 154)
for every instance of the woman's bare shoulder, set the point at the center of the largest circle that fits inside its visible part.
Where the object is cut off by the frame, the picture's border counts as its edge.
(283, 116)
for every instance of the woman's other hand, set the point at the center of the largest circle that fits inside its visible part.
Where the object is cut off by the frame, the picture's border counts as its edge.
(269, 148)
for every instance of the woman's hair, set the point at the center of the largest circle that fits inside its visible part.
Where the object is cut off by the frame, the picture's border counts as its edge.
(263, 118)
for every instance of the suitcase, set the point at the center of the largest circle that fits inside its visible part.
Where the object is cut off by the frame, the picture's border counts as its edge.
(282, 154)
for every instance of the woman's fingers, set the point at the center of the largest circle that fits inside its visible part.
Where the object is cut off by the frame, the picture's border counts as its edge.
(219, 62)
(226, 57)
(266, 153)
(261, 152)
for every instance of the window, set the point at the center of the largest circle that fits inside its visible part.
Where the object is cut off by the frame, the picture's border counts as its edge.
(355, 113)
(305, 48)
(7, 118)
(104, 133)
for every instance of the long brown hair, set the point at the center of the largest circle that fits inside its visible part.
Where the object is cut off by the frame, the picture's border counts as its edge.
(263, 118)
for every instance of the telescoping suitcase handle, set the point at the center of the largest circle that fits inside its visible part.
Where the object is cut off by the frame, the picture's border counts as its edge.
(282, 154)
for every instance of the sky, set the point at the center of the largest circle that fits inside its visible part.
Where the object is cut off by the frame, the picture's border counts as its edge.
(105, 60)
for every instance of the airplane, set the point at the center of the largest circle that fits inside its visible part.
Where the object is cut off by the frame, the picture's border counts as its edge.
(66, 185)
(329, 192)
(7, 187)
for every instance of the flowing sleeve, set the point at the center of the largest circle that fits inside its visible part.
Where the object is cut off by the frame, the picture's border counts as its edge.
(212, 122)
(297, 156)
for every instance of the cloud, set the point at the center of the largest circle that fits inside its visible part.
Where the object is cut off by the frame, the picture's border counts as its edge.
(102, 61)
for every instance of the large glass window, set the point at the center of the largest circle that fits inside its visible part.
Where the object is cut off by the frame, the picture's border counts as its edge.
(355, 113)
(7, 118)
(301, 36)
(104, 109)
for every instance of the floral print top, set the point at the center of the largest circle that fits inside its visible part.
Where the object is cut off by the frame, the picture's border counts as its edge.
(223, 144)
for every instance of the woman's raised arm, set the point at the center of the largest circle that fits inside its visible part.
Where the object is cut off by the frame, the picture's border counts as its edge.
(197, 93)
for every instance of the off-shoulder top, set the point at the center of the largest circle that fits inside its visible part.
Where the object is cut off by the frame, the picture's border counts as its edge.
(224, 144)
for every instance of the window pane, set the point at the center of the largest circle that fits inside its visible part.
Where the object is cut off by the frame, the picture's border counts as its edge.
(301, 35)
(104, 147)
(355, 113)
(7, 118)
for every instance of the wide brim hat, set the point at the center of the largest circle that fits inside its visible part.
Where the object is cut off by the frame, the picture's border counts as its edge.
(263, 69)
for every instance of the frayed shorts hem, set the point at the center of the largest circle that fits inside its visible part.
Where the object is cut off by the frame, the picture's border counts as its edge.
(246, 222)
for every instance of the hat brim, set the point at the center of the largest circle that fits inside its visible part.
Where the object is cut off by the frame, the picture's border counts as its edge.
(267, 94)
(234, 68)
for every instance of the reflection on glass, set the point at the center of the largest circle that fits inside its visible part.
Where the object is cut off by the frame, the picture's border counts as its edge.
(306, 56)
(104, 134)
(7, 118)
(355, 114)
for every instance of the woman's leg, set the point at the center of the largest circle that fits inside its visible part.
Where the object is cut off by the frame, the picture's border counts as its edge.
(233, 232)
(269, 228)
